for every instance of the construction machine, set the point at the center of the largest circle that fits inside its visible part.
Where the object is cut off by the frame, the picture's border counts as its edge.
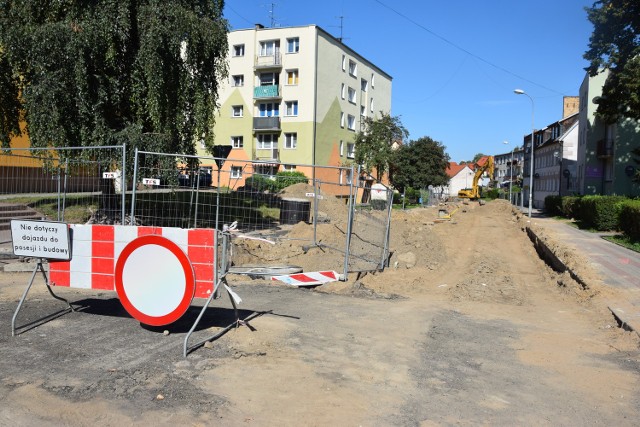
(473, 193)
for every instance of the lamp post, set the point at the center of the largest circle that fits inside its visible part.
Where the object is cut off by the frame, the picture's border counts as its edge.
(533, 131)
(510, 171)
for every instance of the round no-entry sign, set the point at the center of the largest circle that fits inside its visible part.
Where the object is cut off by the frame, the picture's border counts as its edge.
(154, 280)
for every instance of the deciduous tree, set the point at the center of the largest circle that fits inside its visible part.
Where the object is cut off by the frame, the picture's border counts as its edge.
(419, 164)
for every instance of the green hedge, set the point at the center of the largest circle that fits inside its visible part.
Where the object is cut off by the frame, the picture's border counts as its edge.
(553, 205)
(600, 212)
(569, 206)
(282, 180)
(630, 219)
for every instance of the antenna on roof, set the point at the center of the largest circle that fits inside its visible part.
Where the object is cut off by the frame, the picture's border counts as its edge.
(272, 15)
(341, 26)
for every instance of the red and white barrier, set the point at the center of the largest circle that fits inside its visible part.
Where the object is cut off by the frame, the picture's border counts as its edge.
(308, 279)
(96, 249)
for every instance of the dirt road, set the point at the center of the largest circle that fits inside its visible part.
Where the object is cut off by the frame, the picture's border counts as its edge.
(474, 330)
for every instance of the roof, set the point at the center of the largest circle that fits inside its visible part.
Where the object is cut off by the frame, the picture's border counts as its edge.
(454, 169)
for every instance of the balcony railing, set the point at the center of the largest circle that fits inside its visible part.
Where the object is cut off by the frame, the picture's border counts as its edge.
(266, 154)
(266, 92)
(266, 123)
(605, 148)
(269, 61)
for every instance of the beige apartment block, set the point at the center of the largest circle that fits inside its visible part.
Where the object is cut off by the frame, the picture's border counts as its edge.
(295, 97)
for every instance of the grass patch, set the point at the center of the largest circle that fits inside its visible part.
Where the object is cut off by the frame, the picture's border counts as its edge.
(625, 241)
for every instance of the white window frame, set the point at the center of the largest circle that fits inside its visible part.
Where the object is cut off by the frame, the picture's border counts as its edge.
(259, 170)
(238, 80)
(236, 172)
(288, 168)
(364, 85)
(351, 150)
(343, 91)
(237, 141)
(353, 68)
(341, 148)
(238, 50)
(296, 77)
(290, 111)
(291, 140)
(269, 47)
(371, 104)
(363, 111)
(237, 108)
(293, 42)
(344, 63)
(351, 93)
(263, 144)
(351, 122)
(373, 80)
(341, 119)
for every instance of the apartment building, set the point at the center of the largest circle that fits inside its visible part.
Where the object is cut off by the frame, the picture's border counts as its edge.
(605, 162)
(295, 97)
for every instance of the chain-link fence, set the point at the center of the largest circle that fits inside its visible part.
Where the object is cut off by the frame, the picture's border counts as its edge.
(75, 185)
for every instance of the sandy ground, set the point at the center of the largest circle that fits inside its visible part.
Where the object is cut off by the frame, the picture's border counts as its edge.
(467, 326)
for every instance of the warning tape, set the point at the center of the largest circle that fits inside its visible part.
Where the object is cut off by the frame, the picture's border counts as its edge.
(308, 279)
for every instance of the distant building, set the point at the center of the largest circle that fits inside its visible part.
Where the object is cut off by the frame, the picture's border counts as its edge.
(605, 164)
(507, 172)
(295, 96)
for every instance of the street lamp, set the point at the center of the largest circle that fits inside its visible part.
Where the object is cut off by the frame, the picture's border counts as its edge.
(533, 131)
(510, 171)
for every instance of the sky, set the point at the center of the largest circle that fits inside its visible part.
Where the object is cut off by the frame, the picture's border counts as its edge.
(455, 63)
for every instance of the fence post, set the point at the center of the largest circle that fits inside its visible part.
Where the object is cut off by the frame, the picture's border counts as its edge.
(353, 194)
(134, 185)
(123, 182)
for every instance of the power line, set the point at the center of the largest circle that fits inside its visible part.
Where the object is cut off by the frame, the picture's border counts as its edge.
(234, 11)
(473, 55)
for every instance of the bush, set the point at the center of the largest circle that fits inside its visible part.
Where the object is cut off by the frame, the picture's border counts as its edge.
(262, 183)
(600, 212)
(553, 205)
(569, 206)
(630, 219)
(492, 193)
(285, 179)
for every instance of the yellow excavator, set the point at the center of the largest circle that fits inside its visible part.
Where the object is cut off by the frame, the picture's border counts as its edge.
(473, 193)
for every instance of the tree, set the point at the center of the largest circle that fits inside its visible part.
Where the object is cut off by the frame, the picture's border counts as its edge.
(615, 46)
(374, 144)
(419, 164)
(141, 72)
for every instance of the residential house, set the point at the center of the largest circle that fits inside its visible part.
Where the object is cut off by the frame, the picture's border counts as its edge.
(460, 177)
(605, 163)
(508, 167)
(295, 97)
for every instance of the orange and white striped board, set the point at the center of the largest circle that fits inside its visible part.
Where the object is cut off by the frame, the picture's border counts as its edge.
(308, 279)
(95, 250)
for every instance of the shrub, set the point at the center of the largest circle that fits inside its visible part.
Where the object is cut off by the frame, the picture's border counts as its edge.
(261, 183)
(285, 179)
(630, 219)
(492, 193)
(553, 205)
(569, 206)
(600, 212)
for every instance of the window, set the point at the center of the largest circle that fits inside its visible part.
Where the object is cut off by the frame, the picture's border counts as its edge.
(293, 45)
(343, 91)
(237, 141)
(352, 95)
(289, 168)
(344, 63)
(351, 150)
(238, 80)
(236, 110)
(292, 77)
(371, 104)
(292, 108)
(236, 171)
(373, 81)
(363, 111)
(351, 122)
(348, 175)
(364, 85)
(353, 68)
(267, 170)
(238, 50)
(269, 47)
(268, 79)
(267, 140)
(341, 148)
(341, 119)
(290, 140)
(269, 109)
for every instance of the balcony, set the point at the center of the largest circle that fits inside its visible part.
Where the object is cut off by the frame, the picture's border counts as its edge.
(266, 92)
(268, 62)
(605, 148)
(266, 123)
(269, 155)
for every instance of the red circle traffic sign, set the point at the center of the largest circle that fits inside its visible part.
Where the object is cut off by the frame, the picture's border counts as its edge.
(154, 280)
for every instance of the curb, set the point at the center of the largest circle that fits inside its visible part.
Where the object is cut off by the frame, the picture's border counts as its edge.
(627, 316)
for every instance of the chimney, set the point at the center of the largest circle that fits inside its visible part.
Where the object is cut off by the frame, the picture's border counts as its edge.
(259, 26)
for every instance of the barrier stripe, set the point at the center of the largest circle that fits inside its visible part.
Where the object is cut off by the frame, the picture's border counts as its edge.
(96, 248)
(308, 279)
